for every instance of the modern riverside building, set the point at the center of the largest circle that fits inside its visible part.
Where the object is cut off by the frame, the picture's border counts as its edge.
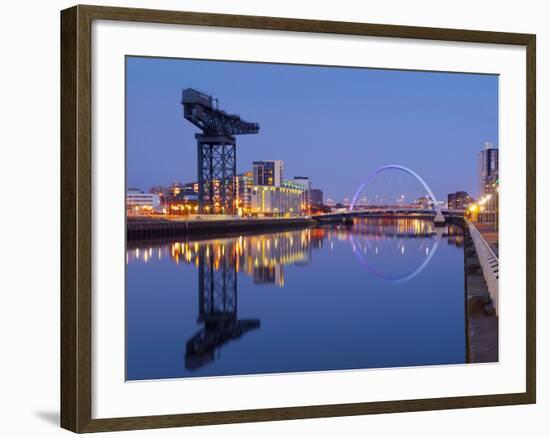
(458, 200)
(138, 202)
(179, 193)
(316, 197)
(286, 200)
(268, 173)
(182, 201)
(244, 182)
(489, 183)
(488, 169)
(304, 181)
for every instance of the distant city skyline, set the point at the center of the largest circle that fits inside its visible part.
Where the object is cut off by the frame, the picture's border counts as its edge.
(335, 125)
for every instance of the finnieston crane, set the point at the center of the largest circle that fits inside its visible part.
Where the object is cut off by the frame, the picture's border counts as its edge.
(216, 150)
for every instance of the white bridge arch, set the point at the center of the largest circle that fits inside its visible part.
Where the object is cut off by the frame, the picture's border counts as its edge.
(387, 167)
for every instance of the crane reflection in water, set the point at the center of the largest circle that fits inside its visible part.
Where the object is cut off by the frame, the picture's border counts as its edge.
(378, 245)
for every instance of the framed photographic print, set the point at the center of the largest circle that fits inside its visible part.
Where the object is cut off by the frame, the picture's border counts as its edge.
(269, 218)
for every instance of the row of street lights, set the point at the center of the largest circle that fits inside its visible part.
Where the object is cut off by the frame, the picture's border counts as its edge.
(482, 207)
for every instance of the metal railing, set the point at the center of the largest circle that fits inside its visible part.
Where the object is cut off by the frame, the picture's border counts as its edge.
(488, 261)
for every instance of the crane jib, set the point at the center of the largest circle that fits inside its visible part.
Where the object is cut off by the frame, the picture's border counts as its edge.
(216, 151)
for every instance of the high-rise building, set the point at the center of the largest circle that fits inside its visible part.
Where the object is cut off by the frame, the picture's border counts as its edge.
(489, 183)
(488, 169)
(268, 173)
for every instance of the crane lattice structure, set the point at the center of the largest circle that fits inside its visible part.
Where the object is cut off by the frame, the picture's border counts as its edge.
(216, 150)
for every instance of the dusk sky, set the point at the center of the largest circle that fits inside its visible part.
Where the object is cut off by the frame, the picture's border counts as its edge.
(335, 125)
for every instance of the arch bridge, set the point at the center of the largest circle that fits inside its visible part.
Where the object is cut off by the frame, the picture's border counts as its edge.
(436, 212)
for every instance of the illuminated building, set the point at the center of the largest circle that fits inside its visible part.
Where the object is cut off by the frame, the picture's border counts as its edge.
(183, 201)
(243, 183)
(268, 173)
(306, 197)
(138, 202)
(286, 200)
(175, 188)
(488, 169)
(489, 183)
(160, 190)
(458, 200)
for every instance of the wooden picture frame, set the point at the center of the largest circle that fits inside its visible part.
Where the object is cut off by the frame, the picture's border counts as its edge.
(76, 218)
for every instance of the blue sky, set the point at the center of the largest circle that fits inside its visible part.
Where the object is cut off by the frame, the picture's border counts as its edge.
(333, 124)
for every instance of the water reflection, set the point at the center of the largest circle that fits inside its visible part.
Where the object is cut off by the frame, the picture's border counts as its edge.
(393, 250)
(372, 238)
(263, 257)
(217, 306)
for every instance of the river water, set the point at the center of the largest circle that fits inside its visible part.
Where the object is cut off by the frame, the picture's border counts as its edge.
(380, 293)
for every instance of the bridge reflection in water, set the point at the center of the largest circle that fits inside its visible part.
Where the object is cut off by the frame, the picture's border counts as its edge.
(377, 244)
(367, 234)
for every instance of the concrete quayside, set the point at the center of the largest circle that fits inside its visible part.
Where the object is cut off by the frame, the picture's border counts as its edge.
(481, 268)
(143, 228)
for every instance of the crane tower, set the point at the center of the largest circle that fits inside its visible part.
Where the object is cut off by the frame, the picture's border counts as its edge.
(216, 150)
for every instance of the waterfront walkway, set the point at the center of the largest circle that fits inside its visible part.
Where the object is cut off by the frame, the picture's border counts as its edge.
(481, 292)
(489, 234)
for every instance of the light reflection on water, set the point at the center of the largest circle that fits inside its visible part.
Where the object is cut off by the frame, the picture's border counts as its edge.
(383, 292)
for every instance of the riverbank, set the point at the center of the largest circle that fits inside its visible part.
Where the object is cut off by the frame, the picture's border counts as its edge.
(481, 316)
(144, 228)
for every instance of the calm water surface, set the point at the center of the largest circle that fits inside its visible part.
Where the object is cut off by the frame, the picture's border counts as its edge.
(380, 293)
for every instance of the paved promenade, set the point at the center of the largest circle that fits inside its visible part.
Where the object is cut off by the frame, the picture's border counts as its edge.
(489, 234)
(482, 322)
